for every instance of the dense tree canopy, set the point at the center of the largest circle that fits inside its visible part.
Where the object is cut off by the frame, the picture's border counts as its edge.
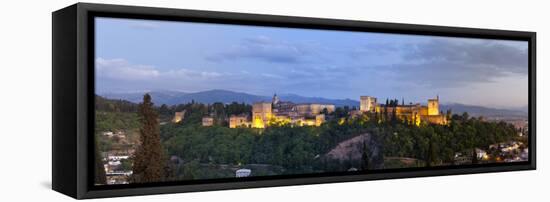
(149, 162)
(289, 149)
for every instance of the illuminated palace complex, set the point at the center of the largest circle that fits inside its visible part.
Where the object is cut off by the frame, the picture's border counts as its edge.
(279, 112)
(413, 112)
(310, 114)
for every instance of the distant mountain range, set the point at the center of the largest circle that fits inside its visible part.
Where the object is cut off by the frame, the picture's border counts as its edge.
(483, 111)
(225, 96)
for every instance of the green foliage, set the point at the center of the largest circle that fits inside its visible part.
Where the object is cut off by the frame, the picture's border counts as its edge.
(102, 104)
(103, 144)
(204, 150)
(191, 170)
(126, 164)
(99, 170)
(365, 157)
(149, 158)
(436, 144)
(296, 149)
(113, 121)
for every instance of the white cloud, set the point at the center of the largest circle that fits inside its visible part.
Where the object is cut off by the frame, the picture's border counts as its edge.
(122, 69)
(272, 76)
(192, 74)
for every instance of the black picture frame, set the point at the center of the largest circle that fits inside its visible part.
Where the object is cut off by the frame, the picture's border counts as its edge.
(73, 98)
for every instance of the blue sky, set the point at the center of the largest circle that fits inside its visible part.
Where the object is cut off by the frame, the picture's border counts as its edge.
(146, 55)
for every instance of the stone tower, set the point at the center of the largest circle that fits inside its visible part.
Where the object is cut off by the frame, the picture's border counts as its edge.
(261, 113)
(367, 104)
(275, 99)
(433, 106)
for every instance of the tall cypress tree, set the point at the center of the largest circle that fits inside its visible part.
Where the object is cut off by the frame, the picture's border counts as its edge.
(149, 159)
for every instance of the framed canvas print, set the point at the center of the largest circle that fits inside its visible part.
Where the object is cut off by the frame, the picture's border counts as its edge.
(154, 100)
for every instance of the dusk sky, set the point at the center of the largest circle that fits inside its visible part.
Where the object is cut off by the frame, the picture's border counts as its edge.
(146, 55)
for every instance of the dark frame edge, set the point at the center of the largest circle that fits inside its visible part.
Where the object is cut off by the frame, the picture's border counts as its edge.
(533, 99)
(307, 22)
(83, 84)
(64, 145)
(298, 181)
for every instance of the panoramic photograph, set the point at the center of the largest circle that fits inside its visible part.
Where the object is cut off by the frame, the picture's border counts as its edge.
(185, 101)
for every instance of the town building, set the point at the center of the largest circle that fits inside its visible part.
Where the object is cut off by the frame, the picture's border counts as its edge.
(108, 134)
(279, 112)
(115, 173)
(207, 121)
(236, 121)
(313, 109)
(283, 112)
(481, 154)
(178, 117)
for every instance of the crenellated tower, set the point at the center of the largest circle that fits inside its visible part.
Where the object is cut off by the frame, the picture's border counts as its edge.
(433, 106)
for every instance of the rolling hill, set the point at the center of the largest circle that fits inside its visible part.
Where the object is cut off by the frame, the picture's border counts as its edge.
(225, 96)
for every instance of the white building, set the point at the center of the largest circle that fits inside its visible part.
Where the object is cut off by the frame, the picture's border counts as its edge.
(481, 154)
(108, 134)
(243, 173)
